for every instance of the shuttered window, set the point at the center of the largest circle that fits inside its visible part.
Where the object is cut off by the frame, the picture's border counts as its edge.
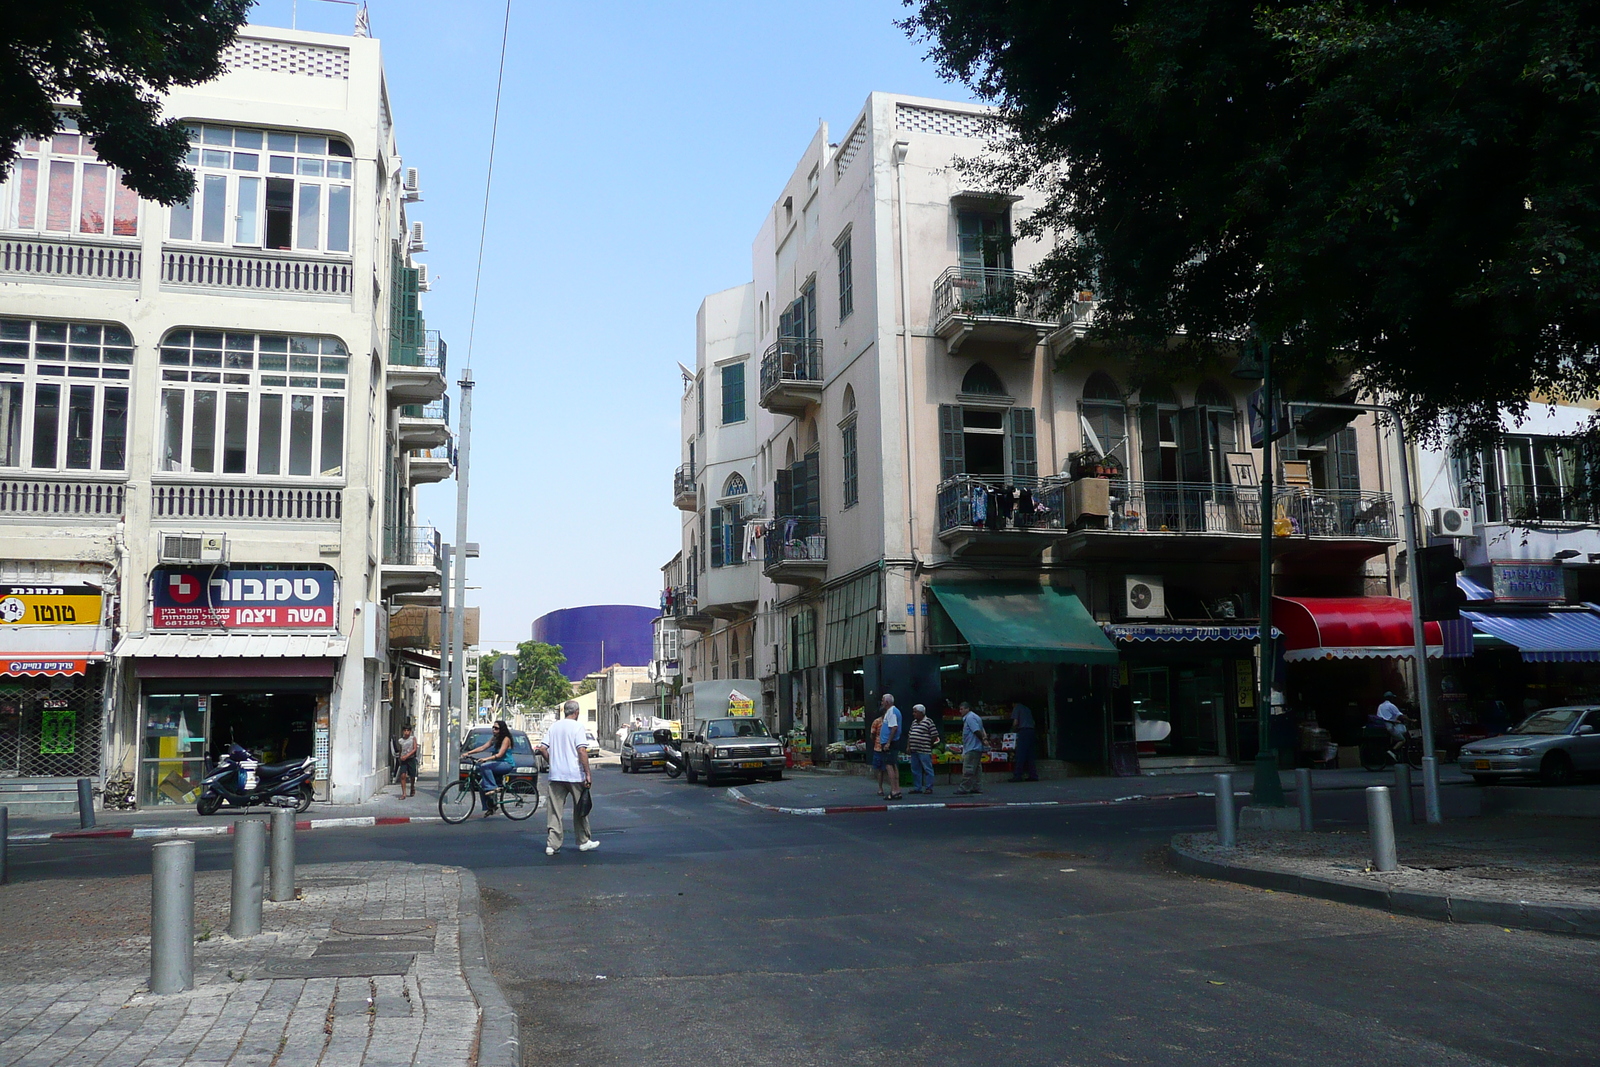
(1024, 443)
(717, 555)
(952, 451)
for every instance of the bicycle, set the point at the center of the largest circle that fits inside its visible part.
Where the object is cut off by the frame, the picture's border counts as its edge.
(518, 799)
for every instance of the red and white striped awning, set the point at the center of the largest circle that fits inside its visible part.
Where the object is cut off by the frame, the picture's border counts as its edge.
(1357, 627)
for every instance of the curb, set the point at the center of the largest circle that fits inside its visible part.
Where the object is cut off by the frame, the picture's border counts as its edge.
(211, 831)
(1521, 914)
(736, 794)
(498, 1043)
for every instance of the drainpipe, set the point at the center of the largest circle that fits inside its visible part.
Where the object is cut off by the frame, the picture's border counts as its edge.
(901, 148)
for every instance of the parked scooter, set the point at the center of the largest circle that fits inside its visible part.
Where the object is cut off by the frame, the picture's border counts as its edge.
(244, 782)
(670, 752)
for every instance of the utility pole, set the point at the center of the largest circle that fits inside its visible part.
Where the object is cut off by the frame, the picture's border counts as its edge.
(447, 769)
(458, 619)
(1268, 788)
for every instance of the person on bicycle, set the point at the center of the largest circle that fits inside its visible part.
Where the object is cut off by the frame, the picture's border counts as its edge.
(1391, 718)
(497, 762)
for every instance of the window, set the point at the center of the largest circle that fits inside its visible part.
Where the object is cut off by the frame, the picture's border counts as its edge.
(727, 535)
(1209, 431)
(267, 188)
(985, 241)
(58, 411)
(59, 185)
(847, 435)
(847, 299)
(990, 443)
(1158, 432)
(1533, 478)
(246, 403)
(700, 404)
(1104, 418)
(732, 393)
(799, 319)
(981, 380)
(734, 486)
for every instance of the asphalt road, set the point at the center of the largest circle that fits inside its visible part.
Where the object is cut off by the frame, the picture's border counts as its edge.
(703, 932)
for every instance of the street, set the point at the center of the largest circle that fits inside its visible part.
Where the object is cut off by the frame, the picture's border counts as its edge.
(703, 931)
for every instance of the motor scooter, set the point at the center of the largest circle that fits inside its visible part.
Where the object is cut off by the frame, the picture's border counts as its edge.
(245, 782)
(670, 752)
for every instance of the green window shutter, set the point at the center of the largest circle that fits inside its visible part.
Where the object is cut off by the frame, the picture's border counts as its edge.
(1192, 466)
(952, 448)
(733, 393)
(783, 494)
(1024, 443)
(1349, 464)
(716, 537)
(1150, 441)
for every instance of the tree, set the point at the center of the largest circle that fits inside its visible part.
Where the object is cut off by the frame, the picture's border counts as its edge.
(539, 682)
(114, 58)
(1406, 194)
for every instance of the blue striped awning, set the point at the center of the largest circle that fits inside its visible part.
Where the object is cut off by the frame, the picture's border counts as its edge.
(1545, 637)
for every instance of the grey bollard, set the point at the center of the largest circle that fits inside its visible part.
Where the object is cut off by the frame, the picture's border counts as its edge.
(1380, 828)
(5, 843)
(1302, 794)
(283, 854)
(85, 804)
(1430, 790)
(249, 860)
(172, 917)
(1227, 824)
(1402, 794)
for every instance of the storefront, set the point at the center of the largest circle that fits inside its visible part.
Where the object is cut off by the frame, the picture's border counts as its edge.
(53, 670)
(1190, 690)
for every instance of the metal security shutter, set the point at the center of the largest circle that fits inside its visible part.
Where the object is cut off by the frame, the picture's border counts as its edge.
(1024, 443)
(952, 449)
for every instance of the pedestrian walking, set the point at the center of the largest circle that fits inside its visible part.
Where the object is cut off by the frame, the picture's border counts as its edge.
(974, 743)
(406, 766)
(885, 729)
(569, 778)
(1025, 767)
(920, 739)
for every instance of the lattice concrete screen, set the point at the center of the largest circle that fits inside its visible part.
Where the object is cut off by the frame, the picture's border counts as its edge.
(945, 123)
(281, 57)
(852, 148)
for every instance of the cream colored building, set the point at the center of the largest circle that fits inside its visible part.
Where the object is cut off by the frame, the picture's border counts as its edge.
(212, 421)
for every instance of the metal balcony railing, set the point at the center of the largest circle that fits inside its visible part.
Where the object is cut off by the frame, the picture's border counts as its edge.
(796, 539)
(433, 352)
(994, 503)
(1208, 508)
(1536, 503)
(439, 409)
(679, 601)
(792, 360)
(411, 546)
(992, 292)
(683, 483)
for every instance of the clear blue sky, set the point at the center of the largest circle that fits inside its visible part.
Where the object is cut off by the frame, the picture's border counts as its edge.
(640, 145)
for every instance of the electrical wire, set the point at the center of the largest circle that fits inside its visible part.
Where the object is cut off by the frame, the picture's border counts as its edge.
(488, 184)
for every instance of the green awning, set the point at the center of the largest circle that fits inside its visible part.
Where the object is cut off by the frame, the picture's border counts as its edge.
(1021, 622)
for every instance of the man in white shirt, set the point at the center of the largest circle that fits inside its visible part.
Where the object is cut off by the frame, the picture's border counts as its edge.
(569, 777)
(885, 761)
(1393, 719)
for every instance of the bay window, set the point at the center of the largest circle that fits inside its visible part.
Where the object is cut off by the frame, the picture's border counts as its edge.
(60, 185)
(246, 403)
(57, 409)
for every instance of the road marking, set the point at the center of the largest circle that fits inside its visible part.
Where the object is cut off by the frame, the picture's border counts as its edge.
(738, 795)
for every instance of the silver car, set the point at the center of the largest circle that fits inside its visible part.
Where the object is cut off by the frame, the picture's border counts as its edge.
(1554, 745)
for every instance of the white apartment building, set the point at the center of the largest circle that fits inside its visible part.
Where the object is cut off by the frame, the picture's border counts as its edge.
(900, 474)
(212, 421)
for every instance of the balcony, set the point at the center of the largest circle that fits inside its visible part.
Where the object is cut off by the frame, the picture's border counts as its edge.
(791, 375)
(683, 604)
(416, 372)
(797, 550)
(257, 274)
(685, 497)
(1014, 517)
(111, 265)
(992, 305)
(427, 465)
(57, 498)
(410, 559)
(1134, 520)
(188, 501)
(1542, 504)
(424, 425)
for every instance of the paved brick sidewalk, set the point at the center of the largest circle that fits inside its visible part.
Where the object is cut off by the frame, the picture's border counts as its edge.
(75, 983)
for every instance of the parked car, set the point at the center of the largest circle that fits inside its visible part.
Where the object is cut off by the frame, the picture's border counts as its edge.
(1554, 745)
(592, 743)
(641, 749)
(521, 753)
(735, 747)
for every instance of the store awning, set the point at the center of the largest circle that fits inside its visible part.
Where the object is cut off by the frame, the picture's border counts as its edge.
(233, 646)
(1358, 627)
(419, 659)
(1175, 632)
(32, 651)
(1546, 636)
(1020, 622)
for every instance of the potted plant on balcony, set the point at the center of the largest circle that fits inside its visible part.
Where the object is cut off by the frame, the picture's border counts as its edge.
(1088, 463)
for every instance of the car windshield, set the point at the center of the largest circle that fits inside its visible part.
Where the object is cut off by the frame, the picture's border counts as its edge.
(1549, 721)
(519, 741)
(737, 728)
(644, 739)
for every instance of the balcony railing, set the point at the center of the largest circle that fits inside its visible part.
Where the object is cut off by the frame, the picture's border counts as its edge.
(411, 546)
(684, 493)
(433, 352)
(52, 498)
(80, 262)
(999, 504)
(1531, 503)
(439, 409)
(987, 292)
(792, 360)
(251, 273)
(248, 503)
(796, 540)
(1204, 508)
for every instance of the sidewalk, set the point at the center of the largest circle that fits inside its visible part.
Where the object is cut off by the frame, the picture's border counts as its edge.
(380, 964)
(806, 793)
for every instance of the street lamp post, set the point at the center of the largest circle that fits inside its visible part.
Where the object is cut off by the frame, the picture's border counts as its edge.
(1268, 787)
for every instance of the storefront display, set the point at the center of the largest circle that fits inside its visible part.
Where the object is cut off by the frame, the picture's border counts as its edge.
(52, 679)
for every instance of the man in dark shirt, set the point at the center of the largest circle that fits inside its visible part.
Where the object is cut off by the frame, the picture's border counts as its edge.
(1025, 767)
(921, 738)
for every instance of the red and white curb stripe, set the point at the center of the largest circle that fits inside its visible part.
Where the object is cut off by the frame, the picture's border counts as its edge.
(737, 794)
(227, 828)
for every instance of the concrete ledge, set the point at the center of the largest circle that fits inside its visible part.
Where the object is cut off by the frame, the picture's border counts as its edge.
(1575, 801)
(498, 1041)
(1252, 817)
(1517, 914)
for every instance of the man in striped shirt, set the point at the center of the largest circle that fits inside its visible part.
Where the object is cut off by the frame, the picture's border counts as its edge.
(920, 740)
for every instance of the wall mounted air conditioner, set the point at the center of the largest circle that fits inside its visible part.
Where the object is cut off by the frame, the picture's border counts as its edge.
(194, 548)
(1144, 597)
(411, 187)
(417, 243)
(1452, 522)
(423, 284)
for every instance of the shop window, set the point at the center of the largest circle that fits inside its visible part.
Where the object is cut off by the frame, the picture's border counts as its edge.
(60, 185)
(245, 403)
(57, 411)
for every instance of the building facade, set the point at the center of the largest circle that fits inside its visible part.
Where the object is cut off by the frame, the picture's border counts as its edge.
(212, 421)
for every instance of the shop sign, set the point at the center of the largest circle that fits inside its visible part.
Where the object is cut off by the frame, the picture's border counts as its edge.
(233, 598)
(740, 705)
(1514, 580)
(49, 605)
(44, 666)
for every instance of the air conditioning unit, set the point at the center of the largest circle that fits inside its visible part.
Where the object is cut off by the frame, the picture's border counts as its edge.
(753, 506)
(1144, 597)
(417, 243)
(194, 548)
(1452, 522)
(412, 186)
(423, 284)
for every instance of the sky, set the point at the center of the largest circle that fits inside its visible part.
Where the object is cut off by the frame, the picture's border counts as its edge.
(640, 146)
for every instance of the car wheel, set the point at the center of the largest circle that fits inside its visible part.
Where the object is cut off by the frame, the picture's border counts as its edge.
(624, 766)
(689, 772)
(1483, 779)
(1556, 769)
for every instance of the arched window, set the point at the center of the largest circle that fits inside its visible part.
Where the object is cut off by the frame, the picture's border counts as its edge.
(849, 399)
(812, 442)
(788, 453)
(981, 380)
(1104, 418)
(1215, 433)
(1158, 432)
(734, 486)
(848, 463)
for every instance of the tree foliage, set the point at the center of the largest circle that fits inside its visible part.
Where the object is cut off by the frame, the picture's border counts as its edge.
(113, 59)
(1404, 192)
(539, 682)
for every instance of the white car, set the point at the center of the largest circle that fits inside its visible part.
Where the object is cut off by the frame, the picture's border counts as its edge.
(592, 743)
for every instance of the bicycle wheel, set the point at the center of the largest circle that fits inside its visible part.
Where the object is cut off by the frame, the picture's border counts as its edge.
(519, 800)
(456, 802)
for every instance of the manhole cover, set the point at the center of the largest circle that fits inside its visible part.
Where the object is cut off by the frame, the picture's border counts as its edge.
(329, 883)
(382, 927)
(350, 966)
(367, 946)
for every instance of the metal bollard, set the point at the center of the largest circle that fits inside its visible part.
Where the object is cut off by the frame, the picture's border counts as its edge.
(283, 853)
(1227, 824)
(5, 843)
(172, 917)
(249, 859)
(85, 804)
(1430, 790)
(1380, 828)
(1302, 794)
(1402, 793)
